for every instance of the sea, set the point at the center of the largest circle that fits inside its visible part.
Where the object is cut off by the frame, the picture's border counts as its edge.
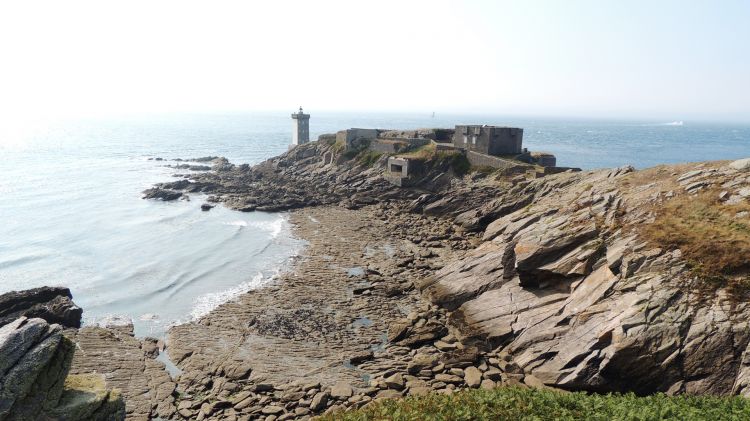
(71, 212)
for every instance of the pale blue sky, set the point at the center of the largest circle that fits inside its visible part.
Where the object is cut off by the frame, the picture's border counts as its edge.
(676, 60)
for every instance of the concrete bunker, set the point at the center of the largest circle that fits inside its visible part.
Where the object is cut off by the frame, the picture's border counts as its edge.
(403, 171)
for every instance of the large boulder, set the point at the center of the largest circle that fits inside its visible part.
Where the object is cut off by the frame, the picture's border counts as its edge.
(740, 164)
(35, 359)
(53, 304)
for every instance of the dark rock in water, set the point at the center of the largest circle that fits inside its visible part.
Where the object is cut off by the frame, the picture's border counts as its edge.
(35, 359)
(175, 185)
(204, 159)
(52, 304)
(222, 165)
(161, 194)
(207, 207)
(190, 167)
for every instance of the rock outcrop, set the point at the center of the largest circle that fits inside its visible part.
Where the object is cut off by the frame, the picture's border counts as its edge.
(581, 301)
(35, 358)
(298, 178)
(53, 304)
(550, 282)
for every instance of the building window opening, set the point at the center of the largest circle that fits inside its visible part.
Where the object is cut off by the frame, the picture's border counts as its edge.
(397, 168)
(474, 140)
(465, 139)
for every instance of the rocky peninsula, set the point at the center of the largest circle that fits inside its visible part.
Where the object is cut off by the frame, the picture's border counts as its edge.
(605, 280)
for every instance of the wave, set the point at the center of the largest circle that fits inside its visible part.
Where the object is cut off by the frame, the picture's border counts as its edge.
(677, 123)
(191, 280)
(273, 228)
(237, 223)
(18, 261)
(208, 302)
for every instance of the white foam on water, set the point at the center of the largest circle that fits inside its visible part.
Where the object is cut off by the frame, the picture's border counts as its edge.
(671, 123)
(273, 228)
(148, 317)
(208, 302)
(112, 320)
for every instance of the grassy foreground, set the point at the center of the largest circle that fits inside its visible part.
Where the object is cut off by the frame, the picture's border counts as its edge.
(514, 403)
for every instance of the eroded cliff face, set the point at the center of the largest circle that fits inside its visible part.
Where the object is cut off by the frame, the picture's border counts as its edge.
(581, 300)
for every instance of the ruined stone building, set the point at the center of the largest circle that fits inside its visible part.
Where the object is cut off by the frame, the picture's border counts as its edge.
(489, 140)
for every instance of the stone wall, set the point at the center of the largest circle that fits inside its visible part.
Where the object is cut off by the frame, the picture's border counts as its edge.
(557, 170)
(349, 135)
(440, 135)
(481, 160)
(396, 145)
(388, 146)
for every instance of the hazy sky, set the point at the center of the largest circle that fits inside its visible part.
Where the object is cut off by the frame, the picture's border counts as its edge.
(661, 59)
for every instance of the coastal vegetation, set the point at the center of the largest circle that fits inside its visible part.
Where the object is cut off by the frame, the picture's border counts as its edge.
(368, 158)
(712, 236)
(458, 162)
(515, 403)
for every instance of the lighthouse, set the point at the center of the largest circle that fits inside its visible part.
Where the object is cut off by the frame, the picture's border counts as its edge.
(300, 128)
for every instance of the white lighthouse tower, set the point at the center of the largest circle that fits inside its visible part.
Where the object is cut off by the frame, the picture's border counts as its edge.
(300, 128)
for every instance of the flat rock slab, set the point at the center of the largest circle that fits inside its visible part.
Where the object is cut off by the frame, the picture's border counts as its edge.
(117, 355)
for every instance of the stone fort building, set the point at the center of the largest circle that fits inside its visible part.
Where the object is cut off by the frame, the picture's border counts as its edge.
(489, 140)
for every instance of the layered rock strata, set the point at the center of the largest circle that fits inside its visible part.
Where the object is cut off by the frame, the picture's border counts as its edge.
(568, 287)
(35, 358)
(546, 282)
(53, 304)
(127, 364)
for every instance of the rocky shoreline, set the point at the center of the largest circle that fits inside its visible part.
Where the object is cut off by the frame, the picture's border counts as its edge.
(544, 282)
(337, 331)
(460, 281)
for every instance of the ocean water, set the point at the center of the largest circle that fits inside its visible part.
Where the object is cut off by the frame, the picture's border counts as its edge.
(71, 212)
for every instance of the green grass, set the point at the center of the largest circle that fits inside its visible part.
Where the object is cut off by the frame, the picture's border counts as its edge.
(339, 146)
(712, 240)
(368, 158)
(429, 152)
(424, 152)
(459, 162)
(514, 403)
